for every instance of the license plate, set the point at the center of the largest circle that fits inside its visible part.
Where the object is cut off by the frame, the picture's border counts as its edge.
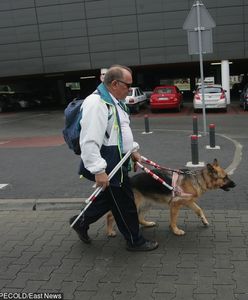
(163, 98)
(211, 106)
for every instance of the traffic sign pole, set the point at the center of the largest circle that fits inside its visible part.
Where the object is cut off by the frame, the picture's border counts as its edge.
(201, 67)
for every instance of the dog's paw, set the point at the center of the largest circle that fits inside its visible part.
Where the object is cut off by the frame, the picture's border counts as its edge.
(112, 233)
(204, 221)
(178, 231)
(149, 224)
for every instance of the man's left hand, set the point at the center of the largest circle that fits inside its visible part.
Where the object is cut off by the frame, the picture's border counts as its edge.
(136, 157)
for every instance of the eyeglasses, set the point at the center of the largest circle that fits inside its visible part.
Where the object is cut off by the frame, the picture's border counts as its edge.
(128, 85)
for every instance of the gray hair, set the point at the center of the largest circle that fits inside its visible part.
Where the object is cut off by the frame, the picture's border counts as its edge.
(115, 72)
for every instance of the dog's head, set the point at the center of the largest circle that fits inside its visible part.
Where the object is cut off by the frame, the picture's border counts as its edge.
(218, 177)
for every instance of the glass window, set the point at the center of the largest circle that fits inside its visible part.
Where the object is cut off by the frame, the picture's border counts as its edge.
(211, 90)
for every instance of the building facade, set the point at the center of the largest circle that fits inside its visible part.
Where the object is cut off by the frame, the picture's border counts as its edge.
(78, 37)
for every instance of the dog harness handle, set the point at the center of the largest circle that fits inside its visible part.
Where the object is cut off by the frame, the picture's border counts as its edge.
(176, 190)
(157, 166)
(156, 177)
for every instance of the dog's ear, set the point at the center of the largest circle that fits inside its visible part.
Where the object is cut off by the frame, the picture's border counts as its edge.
(210, 168)
(215, 163)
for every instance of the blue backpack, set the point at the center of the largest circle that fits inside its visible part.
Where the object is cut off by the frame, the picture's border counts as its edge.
(71, 131)
(73, 115)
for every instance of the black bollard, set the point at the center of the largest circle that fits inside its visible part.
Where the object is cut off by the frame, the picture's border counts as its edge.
(195, 126)
(212, 135)
(194, 150)
(147, 127)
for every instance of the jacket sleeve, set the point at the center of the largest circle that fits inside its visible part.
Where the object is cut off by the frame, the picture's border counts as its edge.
(93, 127)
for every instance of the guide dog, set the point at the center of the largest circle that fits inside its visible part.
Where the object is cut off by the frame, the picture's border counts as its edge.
(148, 191)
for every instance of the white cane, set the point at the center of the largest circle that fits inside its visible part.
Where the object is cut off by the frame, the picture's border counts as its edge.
(99, 189)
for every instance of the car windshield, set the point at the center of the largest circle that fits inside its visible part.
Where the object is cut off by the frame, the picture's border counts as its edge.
(211, 90)
(164, 91)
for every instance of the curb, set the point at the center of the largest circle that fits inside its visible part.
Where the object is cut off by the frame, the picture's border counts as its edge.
(41, 204)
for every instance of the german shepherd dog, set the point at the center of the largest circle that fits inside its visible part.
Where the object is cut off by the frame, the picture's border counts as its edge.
(148, 191)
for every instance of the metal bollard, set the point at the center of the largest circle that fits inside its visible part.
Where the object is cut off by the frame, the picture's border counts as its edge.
(147, 127)
(212, 135)
(195, 126)
(194, 150)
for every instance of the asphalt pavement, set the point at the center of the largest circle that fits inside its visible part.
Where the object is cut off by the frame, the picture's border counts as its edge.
(41, 254)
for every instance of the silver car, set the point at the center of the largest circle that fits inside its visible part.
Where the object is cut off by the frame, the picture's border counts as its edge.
(214, 96)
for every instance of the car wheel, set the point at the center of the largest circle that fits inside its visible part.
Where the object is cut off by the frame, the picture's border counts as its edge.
(245, 106)
(179, 108)
(225, 109)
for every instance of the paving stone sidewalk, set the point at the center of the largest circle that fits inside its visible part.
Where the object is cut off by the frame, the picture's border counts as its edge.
(40, 253)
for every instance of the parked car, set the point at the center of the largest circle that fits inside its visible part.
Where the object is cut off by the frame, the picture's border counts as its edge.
(8, 103)
(214, 96)
(5, 103)
(24, 100)
(6, 89)
(244, 98)
(166, 97)
(135, 99)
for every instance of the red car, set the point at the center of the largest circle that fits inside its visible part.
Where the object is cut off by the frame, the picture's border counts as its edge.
(166, 96)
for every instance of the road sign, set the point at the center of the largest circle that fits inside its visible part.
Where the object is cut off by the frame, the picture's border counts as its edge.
(193, 42)
(191, 23)
(197, 20)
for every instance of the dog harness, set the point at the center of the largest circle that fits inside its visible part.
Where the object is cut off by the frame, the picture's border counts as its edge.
(175, 188)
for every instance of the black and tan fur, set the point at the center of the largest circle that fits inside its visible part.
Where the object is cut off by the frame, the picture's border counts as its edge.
(148, 191)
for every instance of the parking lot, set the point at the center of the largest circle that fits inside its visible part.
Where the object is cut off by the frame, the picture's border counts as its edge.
(187, 110)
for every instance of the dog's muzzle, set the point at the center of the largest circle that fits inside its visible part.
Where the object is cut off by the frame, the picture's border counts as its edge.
(226, 187)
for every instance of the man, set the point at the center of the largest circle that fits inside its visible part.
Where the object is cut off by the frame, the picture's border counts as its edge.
(105, 137)
(103, 72)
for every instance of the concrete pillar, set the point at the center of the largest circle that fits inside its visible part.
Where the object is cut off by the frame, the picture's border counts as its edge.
(225, 78)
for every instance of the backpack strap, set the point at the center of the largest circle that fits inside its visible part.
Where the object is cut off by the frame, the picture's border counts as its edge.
(104, 94)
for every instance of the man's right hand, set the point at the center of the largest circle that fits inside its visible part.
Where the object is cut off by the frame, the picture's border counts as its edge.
(102, 180)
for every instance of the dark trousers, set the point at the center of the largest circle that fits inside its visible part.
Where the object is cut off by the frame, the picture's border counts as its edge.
(120, 200)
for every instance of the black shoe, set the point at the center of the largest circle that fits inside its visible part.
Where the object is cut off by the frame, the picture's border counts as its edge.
(146, 246)
(81, 230)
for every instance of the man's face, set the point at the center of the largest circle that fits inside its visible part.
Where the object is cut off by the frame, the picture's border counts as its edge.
(120, 88)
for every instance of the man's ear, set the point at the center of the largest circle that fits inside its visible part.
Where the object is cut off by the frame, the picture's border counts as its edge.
(114, 83)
